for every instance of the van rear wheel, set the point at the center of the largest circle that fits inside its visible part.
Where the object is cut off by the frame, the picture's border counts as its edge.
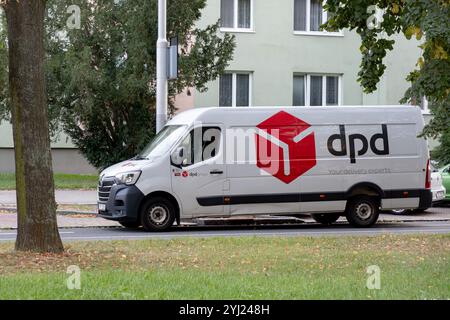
(362, 211)
(157, 214)
(326, 218)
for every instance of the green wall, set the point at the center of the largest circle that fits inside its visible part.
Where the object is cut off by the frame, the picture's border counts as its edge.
(274, 53)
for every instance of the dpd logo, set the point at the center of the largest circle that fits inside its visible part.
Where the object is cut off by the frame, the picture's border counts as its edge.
(285, 147)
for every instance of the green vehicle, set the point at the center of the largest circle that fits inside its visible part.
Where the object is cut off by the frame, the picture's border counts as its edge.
(445, 173)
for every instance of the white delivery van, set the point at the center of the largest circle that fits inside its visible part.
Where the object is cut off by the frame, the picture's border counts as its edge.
(222, 162)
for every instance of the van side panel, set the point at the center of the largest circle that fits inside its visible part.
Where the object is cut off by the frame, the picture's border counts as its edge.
(371, 146)
(399, 169)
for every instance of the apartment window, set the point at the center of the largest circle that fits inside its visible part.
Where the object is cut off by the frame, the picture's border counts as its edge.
(316, 90)
(235, 90)
(299, 91)
(236, 14)
(309, 16)
(332, 91)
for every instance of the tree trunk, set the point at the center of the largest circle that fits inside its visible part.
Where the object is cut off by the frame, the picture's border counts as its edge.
(36, 207)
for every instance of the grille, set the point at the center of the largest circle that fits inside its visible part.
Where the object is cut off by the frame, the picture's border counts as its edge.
(104, 189)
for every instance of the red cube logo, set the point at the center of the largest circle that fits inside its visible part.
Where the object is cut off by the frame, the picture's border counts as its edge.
(285, 147)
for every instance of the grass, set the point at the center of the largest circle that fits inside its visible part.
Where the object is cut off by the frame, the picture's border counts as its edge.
(62, 181)
(412, 267)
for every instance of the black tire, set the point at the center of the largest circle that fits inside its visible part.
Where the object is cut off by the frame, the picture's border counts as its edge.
(362, 211)
(326, 218)
(130, 224)
(157, 214)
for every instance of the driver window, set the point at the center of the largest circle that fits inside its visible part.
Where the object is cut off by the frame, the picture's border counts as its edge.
(201, 144)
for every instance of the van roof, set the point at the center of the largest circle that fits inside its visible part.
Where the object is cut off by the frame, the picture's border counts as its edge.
(188, 116)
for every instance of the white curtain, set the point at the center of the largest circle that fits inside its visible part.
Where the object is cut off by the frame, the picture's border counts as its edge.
(242, 90)
(316, 15)
(299, 91)
(316, 91)
(227, 13)
(332, 91)
(300, 15)
(244, 14)
(226, 90)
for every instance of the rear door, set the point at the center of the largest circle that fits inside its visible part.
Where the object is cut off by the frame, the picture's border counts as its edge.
(200, 178)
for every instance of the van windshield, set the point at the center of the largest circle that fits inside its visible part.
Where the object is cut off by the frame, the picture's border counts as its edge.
(162, 142)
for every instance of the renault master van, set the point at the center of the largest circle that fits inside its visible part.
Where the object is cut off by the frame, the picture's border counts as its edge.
(223, 162)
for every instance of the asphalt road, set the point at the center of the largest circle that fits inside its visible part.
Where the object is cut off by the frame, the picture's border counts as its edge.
(314, 230)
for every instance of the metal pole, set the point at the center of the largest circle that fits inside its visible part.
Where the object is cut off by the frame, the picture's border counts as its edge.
(161, 66)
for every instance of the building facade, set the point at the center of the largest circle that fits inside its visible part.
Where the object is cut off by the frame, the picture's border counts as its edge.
(66, 157)
(282, 58)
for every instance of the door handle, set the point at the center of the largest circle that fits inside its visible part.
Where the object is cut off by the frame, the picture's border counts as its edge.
(216, 172)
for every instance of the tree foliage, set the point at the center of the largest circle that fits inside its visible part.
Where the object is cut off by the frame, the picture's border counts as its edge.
(442, 153)
(426, 20)
(101, 76)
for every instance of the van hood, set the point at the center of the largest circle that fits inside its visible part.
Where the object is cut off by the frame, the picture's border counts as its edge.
(125, 166)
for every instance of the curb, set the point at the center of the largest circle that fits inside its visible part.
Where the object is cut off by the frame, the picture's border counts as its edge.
(258, 222)
(235, 221)
(265, 224)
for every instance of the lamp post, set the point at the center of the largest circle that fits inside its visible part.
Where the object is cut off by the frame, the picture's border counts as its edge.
(161, 66)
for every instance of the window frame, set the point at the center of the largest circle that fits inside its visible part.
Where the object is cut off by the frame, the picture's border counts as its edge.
(234, 91)
(189, 134)
(235, 27)
(307, 84)
(308, 31)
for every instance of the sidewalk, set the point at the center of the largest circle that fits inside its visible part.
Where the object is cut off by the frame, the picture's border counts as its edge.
(432, 214)
(79, 197)
(77, 208)
(9, 221)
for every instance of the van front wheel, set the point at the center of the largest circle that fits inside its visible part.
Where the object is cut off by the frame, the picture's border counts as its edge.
(362, 211)
(157, 214)
(326, 218)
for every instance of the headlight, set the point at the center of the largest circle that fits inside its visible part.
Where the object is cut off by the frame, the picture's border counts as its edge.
(128, 178)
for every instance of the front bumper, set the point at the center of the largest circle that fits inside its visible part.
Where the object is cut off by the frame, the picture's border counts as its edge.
(123, 203)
